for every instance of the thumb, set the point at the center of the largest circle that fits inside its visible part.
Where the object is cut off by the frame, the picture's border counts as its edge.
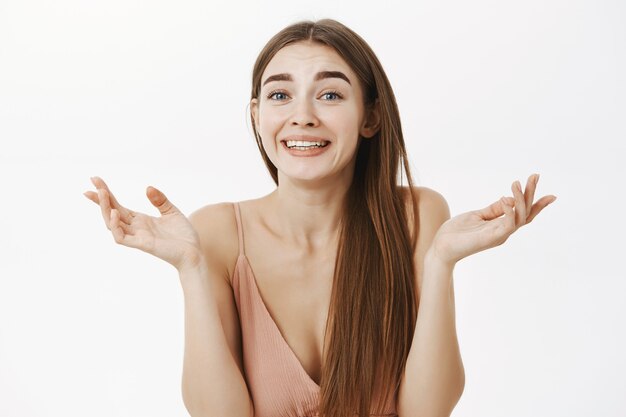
(158, 200)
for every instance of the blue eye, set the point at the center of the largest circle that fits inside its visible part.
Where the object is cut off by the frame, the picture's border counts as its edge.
(279, 95)
(334, 94)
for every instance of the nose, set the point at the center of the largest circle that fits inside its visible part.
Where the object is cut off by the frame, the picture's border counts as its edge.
(304, 114)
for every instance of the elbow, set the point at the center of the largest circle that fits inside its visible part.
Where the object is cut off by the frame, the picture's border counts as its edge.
(461, 386)
(201, 406)
(456, 392)
(440, 404)
(196, 405)
(455, 395)
(193, 408)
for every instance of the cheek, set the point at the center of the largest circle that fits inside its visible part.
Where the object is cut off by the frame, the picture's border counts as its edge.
(268, 143)
(269, 127)
(345, 122)
(270, 121)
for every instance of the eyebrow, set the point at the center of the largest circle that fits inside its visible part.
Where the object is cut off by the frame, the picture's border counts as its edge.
(319, 76)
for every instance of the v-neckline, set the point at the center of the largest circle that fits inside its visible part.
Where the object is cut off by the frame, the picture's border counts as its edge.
(282, 338)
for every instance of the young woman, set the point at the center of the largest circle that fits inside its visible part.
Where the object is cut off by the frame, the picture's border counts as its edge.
(333, 294)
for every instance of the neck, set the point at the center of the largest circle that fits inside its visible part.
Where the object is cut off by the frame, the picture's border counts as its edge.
(309, 215)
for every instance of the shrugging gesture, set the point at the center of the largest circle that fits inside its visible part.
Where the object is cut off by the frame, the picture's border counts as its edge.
(170, 237)
(477, 230)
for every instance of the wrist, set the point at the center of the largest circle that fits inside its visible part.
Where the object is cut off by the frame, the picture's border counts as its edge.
(194, 280)
(434, 262)
(191, 262)
(193, 272)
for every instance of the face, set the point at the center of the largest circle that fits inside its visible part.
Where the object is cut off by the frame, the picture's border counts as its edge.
(310, 113)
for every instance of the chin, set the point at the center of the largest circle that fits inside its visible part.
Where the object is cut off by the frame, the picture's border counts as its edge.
(307, 177)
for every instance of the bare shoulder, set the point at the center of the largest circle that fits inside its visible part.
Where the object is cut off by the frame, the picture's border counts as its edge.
(216, 226)
(432, 212)
(432, 208)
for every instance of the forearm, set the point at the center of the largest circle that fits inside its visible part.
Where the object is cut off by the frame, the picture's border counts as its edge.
(212, 383)
(434, 377)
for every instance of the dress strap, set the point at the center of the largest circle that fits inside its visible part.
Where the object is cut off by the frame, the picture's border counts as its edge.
(239, 228)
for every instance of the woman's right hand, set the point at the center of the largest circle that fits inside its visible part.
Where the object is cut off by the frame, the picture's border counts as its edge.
(170, 237)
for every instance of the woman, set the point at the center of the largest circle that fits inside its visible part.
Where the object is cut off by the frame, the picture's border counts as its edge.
(324, 297)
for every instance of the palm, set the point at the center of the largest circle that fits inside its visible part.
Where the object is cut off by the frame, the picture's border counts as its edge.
(478, 230)
(468, 233)
(170, 237)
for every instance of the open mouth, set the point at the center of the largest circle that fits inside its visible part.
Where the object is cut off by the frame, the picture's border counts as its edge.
(303, 145)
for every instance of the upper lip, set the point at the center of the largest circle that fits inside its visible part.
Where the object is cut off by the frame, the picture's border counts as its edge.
(304, 138)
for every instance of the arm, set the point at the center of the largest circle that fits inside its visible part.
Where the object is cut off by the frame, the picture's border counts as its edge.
(212, 382)
(434, 378)
(199, 248)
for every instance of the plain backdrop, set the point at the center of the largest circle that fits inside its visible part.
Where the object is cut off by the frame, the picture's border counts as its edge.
(156, 93)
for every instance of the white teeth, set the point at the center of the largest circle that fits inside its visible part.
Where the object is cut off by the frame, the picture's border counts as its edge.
(305, 144)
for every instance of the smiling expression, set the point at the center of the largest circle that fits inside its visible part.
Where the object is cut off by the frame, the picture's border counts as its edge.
(309, 93)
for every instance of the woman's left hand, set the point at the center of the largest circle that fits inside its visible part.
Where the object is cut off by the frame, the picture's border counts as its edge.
(477, 230)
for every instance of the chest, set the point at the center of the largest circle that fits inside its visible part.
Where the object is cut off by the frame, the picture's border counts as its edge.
(295, 288)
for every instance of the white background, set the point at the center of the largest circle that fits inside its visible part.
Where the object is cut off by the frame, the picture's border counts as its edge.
(155, 93)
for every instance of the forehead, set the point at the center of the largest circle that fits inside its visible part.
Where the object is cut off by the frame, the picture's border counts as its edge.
(307, 57)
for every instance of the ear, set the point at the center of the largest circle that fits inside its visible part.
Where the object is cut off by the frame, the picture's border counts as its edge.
(371, 124)
(254, 111)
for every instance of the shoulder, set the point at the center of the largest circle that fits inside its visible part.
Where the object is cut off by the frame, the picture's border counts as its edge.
(216, 226)
(432, 208)
(432, 212)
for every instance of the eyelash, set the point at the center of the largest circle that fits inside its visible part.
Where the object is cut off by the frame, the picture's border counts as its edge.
(337, 93)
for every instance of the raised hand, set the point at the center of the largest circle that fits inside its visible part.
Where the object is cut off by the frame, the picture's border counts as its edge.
(477, 230)
(170, 237)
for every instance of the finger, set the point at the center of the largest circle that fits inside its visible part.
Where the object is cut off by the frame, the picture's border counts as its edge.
(125, 214)
(120, 235)
(105, 208)
(92, 196)
(503, 226)
(542, 203)
(99, 183)
(494, 210)
(126, 228)
(158, 200)
(520, 205)
(529, 191)
(508, 221)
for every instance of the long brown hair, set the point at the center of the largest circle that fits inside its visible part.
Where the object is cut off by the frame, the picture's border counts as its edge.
(373, 306)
